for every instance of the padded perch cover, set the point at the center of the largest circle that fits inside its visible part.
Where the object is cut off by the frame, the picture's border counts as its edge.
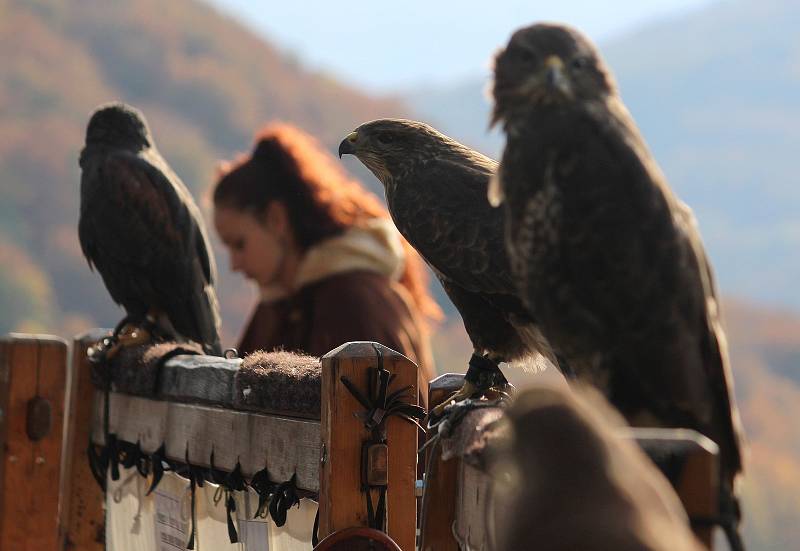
(281, 382)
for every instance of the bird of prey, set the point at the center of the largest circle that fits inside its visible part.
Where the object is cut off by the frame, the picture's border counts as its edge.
(566, 463)
(607, 258)
(141, 229)
(436, 192)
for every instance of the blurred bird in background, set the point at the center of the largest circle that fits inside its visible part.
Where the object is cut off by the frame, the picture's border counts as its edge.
(436, 192)
(567, 479)
(606, 257)
(141, 229)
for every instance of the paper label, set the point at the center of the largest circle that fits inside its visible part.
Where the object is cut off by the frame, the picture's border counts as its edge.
(171, 528)
(254, 535)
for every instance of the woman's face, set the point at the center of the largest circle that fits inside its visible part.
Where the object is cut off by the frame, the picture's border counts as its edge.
(257, 249)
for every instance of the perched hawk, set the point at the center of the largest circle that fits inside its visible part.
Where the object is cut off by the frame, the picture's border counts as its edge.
(141, 229)
(607, 258)
(436, 192)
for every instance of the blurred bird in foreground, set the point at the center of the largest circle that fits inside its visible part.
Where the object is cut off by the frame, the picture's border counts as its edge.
(436, 192)
(569, 480)
(607, 258)
(141, 229)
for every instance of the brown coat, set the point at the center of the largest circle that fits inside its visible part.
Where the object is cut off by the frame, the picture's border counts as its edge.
(350, 306)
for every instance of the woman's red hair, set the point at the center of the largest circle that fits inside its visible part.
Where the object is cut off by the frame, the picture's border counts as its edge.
(322, 199)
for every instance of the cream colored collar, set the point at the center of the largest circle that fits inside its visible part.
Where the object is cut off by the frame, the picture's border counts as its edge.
(373, 247)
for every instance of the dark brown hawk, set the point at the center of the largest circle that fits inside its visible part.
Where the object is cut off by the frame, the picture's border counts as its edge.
(436, 192)
(141, 229)
(607, 258)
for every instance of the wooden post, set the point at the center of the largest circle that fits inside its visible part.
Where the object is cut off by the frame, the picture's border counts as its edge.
(33, 373)
(82, 503)
(696, 483)
(698, 492)
(441, 480)
(342, 503)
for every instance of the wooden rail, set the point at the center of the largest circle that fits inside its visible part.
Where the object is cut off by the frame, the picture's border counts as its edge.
(245, 413)
(459, 508)
(258, 416)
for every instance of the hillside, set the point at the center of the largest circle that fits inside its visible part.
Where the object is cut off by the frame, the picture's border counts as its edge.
(206, 83)
(717, 96)
(203, 81)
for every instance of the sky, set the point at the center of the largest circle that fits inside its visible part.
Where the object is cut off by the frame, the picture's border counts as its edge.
(391, 46)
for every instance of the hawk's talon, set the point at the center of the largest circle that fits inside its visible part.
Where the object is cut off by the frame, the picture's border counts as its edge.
(133, 335)
(106, 348)
(461, 394)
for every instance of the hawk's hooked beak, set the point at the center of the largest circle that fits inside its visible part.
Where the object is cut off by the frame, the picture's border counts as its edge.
(554, 76)
(348, 145)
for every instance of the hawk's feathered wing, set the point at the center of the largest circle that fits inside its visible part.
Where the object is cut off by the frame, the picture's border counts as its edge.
(445, 216)
(141, 229)
(615, 270)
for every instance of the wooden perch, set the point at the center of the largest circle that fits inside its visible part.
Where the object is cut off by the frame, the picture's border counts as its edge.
(192, 405)
(261, 412)
(441, 479)
(265, 382)
(690, 461)
(283, 445)
(33, 379)
(458, 488)
(342, 502)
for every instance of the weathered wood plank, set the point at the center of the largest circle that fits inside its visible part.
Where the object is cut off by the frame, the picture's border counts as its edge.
(5, 389)
(690, 461)
(474, 491)
(82, 503)
(284, 445)
(34, 372)
(342, 504)
(441, 480)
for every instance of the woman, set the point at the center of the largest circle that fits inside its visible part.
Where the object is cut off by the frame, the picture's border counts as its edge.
(327, 259)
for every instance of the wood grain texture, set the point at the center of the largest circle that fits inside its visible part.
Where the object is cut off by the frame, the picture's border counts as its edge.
(474, 495)
(441, 480)
(82, 499)
(285, 446)
(342, 504)
(696, 480)
(33, 367)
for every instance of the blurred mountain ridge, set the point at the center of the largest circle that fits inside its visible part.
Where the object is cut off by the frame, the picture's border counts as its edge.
(205, 85)
(716, 94)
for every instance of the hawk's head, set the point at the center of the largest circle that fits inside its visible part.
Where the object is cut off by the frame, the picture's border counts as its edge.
(119, 125)
(391, 147)
(547, 64)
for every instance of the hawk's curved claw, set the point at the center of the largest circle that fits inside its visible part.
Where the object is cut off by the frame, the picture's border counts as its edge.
(461, 394)
(108, 347)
